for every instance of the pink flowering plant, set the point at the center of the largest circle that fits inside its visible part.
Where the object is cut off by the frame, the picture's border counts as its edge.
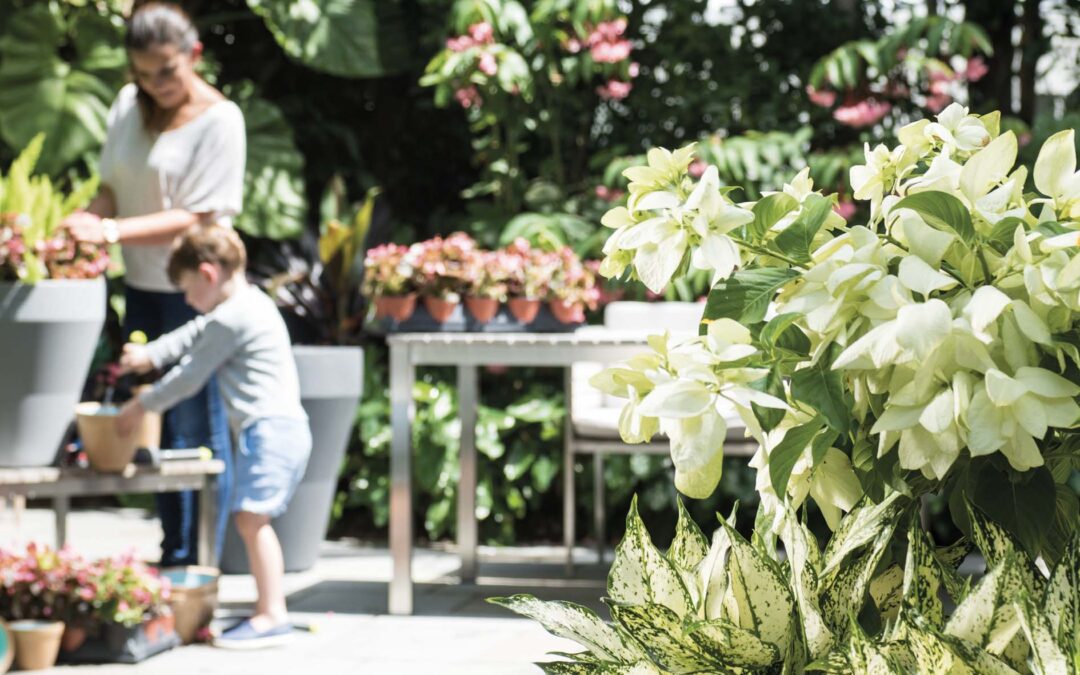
(530, 268)
(123, 590)
(487, 274)
(573, 282)
(388, 271)
(442, 265)
(32, 245)
(39, 583)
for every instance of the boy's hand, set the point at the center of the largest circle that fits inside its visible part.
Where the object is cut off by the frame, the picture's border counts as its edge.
(135, 359)
(130, 417)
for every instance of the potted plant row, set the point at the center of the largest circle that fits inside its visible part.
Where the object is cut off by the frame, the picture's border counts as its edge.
(446, 272)
(52, 308)
(56, 601)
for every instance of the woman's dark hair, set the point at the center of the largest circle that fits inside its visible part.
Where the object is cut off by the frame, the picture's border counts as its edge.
(158, 23)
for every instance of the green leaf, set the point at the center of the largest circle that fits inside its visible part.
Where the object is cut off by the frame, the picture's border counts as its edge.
(746, 295)
(996, 544)
(640, 574)
(941, 210)
(768, 211)
(53, 83)
(844, 593)
(1062, 600)
(798, 238)
(574, 622)
(274, 203)
(869, 658)
(781, 332)
(802, 554)
(783, 457)
(689, 547)
(348, 38)
(1022, 503)
(732, 645)
(773, 384)
(922, 576)
(1048, 655)
(660, 633)
(985, 615)
(822, 388)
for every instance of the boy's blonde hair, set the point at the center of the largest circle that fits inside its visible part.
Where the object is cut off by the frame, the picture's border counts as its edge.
(214, 244)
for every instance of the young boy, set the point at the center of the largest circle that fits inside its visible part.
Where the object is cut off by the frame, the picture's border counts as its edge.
(242, 338)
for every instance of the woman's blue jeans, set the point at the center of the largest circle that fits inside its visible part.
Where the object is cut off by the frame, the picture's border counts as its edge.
(198, 421)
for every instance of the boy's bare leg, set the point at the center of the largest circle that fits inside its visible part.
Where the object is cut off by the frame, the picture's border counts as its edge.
(267, 566)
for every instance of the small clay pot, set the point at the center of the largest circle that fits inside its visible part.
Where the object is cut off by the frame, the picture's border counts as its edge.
(524, 309)
(73, 638)
(567, 312)
(439, 308)
(482, 309)
(37, 643)
(397, 307)
(107, 451)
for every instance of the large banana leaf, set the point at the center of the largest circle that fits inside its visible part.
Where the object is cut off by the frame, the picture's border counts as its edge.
(59, 71)
(274, 202)
(349, 38)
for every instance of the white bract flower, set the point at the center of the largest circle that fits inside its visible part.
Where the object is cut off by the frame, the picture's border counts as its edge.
(1056, 175)
(956, 129)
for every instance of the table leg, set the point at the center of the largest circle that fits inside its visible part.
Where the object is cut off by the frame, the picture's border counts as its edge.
(208, 506)
(61, 505)
(468, 399)
(569, 501)
(402, 411)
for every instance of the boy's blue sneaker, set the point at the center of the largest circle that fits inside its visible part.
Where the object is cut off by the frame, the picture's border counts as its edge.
(245, 636)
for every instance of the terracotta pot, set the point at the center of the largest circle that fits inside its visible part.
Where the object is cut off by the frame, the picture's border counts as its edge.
(37, 643)
(149, 435)
(107, 451)
(439, 309)
(524, 309)
(397, 307)
(482, 309)
(567, 312)
(73, 638)
(193, 598)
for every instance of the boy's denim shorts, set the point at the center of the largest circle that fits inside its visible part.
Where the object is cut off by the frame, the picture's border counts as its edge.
(271, 456)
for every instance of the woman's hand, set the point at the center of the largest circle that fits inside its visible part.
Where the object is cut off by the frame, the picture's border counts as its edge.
(130, 417)
(135, 359)
(85, 226)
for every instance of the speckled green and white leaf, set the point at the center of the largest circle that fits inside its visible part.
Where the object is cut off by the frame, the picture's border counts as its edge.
(641, 574)
(801, 549)
(844, 594)
(712, 577)
(922, 576)
(886, 590)
(952, 555)
(689, 547)
(660, 633)
(732, 645)
(960, 657)
(868, 658)
(1046, 653)
(577, 623)
(977, 618)
(834, 663)
(762, 593)
(1062, 605)
(995, 543)
(858, 529)
(600, 668)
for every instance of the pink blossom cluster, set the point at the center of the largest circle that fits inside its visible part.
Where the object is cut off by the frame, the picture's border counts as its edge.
(63, 256)
(43, 583)
(862, 113)
(573, 282)
(479, 34)
(609, 194)
(442, 264)
(606, 44)
(388, 271)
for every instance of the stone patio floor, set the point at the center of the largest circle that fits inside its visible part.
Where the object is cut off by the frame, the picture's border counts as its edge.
(343, 599)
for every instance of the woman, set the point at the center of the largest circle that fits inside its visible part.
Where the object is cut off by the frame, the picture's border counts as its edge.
(173, 157)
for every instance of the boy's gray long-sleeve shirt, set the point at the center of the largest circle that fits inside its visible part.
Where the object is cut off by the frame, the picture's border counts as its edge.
(244, 341)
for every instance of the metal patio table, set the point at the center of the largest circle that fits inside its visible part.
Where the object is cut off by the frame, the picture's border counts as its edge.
(468, 351)
(61, 484)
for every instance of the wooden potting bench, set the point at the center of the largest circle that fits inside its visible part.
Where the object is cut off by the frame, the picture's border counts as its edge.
(61, 484)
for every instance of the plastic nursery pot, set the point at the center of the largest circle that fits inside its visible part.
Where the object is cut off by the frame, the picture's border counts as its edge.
(439, 308)
(397, 307)
(482, 309)
(524, 309)
(74, 636)
(37, 643)
(567, 312)
(107, 451)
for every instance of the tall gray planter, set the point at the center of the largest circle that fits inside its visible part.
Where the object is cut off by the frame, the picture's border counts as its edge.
(48, 334)
(331, 381)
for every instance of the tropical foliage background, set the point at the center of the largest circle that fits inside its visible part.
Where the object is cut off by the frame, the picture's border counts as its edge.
(524, 131)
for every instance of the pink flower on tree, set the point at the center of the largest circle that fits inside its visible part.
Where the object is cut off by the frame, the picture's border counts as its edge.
(459, 43)
(864, 113)
(611, 51)
(697, 168)
(482, 33)
(633, 69)
(976, 69)
(821, 97)
(488, 65)
(845, 208)
(935, 103)
(468, 97)
(614, 90)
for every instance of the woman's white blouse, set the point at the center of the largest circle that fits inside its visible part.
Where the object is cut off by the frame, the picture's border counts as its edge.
(198, 167)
